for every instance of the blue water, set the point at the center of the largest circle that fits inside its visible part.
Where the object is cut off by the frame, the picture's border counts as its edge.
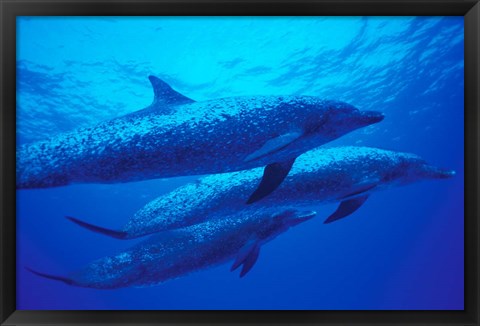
(402, 250)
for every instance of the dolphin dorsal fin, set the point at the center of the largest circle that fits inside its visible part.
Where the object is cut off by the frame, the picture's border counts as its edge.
(166, 95)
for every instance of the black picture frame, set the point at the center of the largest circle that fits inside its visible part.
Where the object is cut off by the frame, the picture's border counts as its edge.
(10, 9)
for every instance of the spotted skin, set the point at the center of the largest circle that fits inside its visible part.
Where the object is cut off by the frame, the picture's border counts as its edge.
(177, 136)
(318, 176)
(174, 254)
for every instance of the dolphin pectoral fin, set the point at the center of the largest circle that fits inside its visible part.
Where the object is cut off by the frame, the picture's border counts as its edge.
(247, 256)
(111, 233)
(51, 277)
(165, 95)
(274, 145)
(250, 261)
(243, 253)
(346, 208)
(273, 176)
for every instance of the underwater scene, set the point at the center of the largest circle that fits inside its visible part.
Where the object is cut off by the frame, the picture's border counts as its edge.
(240, 163)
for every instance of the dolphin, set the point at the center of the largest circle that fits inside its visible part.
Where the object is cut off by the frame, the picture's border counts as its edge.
(347, 175)
(167, 256)
(177, 136)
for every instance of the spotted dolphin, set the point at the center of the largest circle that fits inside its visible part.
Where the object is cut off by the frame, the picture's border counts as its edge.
(176, 136)
(166, 256)
(339, 174)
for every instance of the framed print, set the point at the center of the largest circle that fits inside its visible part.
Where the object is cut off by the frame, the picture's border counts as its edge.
(177, 162)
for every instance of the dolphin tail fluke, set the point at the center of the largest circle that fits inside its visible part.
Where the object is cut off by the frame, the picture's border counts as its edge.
(346, 208)
(108, 232)
(273, 176)
(51, 277)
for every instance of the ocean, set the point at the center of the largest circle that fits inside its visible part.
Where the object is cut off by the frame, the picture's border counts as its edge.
(402, 250)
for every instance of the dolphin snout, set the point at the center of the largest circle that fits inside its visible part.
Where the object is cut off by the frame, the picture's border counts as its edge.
(438, 173)
(301, 216)
(444, 174)
(371, 117)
